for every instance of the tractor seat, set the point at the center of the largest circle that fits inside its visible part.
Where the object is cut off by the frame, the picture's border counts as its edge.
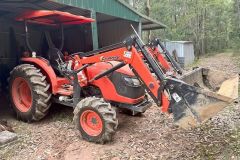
(55, 56)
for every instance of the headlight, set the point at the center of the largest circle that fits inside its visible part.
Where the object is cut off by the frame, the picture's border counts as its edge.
(133, 82)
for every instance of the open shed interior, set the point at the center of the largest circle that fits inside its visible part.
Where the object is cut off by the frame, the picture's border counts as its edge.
(77, 38)
(112, 29)
(13, 40)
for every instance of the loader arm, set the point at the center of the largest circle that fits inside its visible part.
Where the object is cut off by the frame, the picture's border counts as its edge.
(160, 58)
(157, 42)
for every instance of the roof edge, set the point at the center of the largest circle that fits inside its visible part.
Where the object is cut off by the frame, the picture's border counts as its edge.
(142, 15)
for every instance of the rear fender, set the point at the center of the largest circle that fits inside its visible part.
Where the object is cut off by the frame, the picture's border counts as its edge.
(47, 69)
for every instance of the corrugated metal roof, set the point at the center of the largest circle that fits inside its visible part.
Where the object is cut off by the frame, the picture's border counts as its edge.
(109, 7)
(117, 8)
(51, 5)
(181, 42)
(147, 22)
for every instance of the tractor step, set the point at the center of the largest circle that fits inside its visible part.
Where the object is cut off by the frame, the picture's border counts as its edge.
(138, 108)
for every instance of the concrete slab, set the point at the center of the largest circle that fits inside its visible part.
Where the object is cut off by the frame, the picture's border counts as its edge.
(6, 137)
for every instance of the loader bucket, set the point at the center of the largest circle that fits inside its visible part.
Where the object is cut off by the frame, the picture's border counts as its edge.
(204, 93)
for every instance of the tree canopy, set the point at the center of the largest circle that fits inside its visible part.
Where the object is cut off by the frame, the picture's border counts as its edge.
(213, 25)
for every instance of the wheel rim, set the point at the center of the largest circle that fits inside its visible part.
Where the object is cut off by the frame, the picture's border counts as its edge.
(91, 123)
(21, 94)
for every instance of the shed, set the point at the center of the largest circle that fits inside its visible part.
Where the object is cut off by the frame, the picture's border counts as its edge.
(113, 17)
(184, 50)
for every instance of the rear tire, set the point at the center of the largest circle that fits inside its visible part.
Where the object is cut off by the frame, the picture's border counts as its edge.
(95, 119)
(29, 93)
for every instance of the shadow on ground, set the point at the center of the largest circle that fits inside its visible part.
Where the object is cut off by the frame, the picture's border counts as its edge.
(56, 112)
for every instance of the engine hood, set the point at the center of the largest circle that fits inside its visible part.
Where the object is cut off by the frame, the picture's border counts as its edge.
(102, 66)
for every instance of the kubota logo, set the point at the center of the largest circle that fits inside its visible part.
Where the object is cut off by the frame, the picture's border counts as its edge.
(113, 58)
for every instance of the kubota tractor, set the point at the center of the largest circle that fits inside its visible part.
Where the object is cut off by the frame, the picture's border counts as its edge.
(116, 75)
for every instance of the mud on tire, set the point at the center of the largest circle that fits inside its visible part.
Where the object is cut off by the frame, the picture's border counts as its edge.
(39, 90)
(96, 108)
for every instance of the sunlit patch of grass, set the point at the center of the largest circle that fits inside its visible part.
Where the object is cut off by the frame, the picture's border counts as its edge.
(236, 58)
(233, 148)
(194, 64)
(236, 54)
(235, 142)
(225, 146)
(10, 150)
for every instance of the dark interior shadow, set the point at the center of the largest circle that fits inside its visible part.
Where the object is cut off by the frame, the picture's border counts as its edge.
(56, 112)
(5, 108)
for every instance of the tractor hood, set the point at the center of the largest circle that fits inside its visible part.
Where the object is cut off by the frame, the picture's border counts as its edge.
(102, 66)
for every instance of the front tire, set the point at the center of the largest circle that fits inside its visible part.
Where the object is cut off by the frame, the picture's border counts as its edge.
(29, 93)
(95, 119)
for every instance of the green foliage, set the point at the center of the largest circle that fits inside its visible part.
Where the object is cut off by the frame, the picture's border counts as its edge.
(213, 25)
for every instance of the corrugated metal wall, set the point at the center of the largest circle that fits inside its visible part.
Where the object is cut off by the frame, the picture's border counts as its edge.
(188, 53)
(12, 39)
(185, 51)
(13, 45)
(114, 31)
(171, 46)
(110, 7)
(78, 39)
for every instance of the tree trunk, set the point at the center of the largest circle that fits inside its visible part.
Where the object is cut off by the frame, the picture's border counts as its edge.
(238, 12)
(203, 47)
(175, 12)
(148, 7)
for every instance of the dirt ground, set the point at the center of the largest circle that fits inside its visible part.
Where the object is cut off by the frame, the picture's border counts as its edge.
(150, 136)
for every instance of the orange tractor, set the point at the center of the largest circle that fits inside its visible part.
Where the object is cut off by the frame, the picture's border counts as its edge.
(118, 75)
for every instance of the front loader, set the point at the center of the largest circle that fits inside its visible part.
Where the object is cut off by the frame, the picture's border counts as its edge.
(92, 82)
(213, 80)
(189, 103)
(165, 60)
